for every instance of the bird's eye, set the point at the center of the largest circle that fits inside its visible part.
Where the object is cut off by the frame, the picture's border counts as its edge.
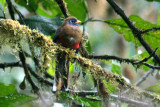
(73, 21)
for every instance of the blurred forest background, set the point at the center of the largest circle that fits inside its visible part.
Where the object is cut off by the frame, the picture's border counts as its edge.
(104, 38)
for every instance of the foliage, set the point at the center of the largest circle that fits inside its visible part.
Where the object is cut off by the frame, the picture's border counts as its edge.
(121, 27)
(46, 16)
(45, 25)
(9, 97)
(84, 101)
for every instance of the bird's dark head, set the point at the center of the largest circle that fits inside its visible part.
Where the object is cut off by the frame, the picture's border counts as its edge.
(72, 21)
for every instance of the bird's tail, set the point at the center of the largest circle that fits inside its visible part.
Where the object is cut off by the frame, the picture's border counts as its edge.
(62, 72)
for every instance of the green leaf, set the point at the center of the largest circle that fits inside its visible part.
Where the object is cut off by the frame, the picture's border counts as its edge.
(5, 90)
(2, 2)
(141, 57)
(116, 69)
(9, 96)
(30, 5)
(13, 100)
(154, 88)
(49, 8)
(110, 86)
(77, 8)
(45, 25)
(121, 27)
(88, 47)
(83, 100)
(158, 16)
(51, 69)
(71, 67)
(42, 12)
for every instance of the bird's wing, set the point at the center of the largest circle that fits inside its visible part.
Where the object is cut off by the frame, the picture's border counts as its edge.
(56, 36)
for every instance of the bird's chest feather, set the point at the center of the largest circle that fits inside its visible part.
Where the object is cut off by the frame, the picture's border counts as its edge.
(70, 36)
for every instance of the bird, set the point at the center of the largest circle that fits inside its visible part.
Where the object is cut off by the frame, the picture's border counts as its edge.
(68, 35)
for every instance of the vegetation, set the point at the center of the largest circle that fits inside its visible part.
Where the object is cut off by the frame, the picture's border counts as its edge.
(28, 55)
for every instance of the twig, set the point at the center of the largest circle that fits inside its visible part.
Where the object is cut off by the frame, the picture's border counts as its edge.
(18, 64)
(147, 58)
(113, 96)
(143, 78)
(131, 101)
(92, 20)
(63, 7)
(132, 61)
(22, 58)
(39, 78)
(47, 75)
(19, 14)
(149, 30)
(136, 32)
(10, 64)
(34, 87)
(10, 8)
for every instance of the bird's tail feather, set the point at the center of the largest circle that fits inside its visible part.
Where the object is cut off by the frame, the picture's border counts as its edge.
(62, 72)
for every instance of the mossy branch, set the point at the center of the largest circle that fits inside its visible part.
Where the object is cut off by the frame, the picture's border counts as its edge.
(13, 34)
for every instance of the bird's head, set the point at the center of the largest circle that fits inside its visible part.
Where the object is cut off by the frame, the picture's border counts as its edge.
(72, 21)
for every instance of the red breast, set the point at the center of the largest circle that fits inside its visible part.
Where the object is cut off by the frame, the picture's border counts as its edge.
(70, 36)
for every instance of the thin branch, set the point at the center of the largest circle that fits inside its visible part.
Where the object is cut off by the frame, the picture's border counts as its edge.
(112, 23)
(22, 58)
(63, 7)
(10, 64)
(39, 78)
(136, 32)
(92, 20)
(147, 58)
(21, 17)
(10, 8)
(132, 61)
(130, 101)
(120, 12)
(47, 75)
(149, 30)
(113, 96)
(143, 78)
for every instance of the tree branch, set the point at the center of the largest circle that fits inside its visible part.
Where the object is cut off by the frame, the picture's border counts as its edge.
(10, 8)
(39, 78)
(63, 7)
(132, 61)
(136, 32)
(16, 33)
(113, 96)
(143, 78)
(22, 58)
(149, 30)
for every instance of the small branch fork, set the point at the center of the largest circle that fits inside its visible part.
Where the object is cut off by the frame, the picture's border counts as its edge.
(136, 32)
(132, 61)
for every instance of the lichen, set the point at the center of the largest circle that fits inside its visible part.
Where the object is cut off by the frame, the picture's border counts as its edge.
(15, 35)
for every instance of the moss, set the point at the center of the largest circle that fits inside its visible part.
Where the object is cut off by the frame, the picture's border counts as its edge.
(15, 35)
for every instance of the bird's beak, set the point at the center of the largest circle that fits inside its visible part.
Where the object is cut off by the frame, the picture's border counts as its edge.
(78, 21)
